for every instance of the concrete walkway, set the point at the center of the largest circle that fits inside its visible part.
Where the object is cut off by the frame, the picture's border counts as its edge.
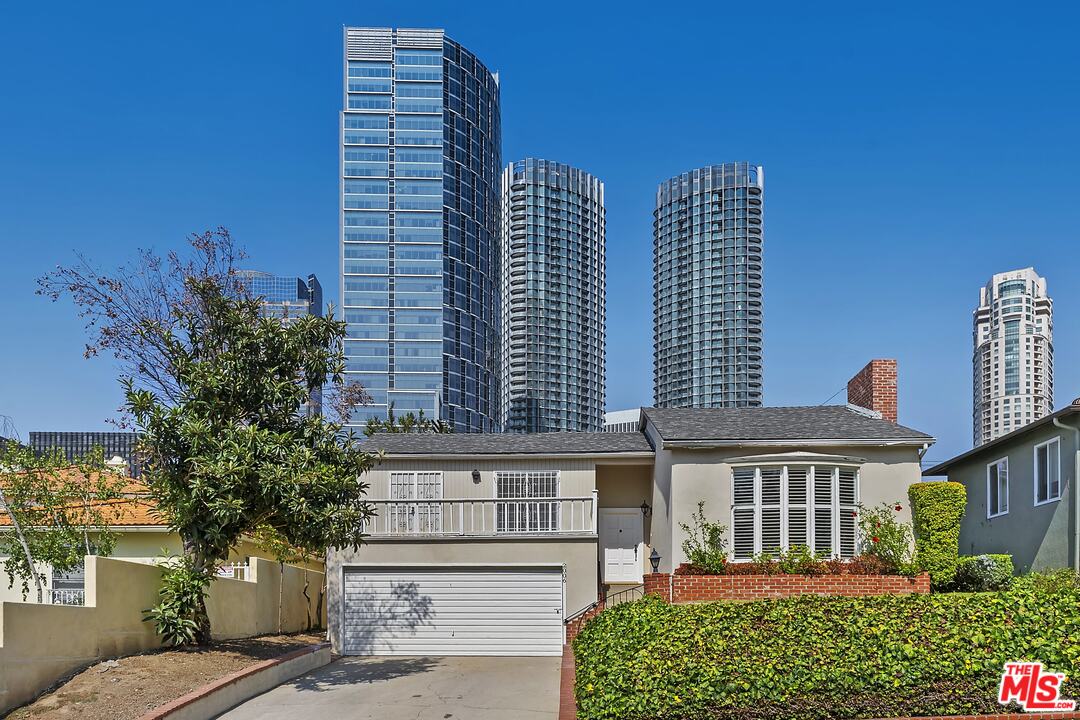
(415, 688)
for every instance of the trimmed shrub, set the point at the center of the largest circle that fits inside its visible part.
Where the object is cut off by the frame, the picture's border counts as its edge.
(983, 572)
(936, 510)
(813, 657)
(797, 561)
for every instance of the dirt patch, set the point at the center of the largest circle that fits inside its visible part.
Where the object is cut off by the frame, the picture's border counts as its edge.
(126, 688)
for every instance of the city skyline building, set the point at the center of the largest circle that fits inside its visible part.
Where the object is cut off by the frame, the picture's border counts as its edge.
(285, 297)
(707, 288)
(553, 279)
(420, 165)
(288, 298)
(1013, 357)
(76, 445)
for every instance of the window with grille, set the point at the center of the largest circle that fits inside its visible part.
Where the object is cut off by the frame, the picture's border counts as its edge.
(778, 507)
(415, 518)
(526, 501)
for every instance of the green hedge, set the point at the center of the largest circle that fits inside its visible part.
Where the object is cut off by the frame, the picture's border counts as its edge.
(936, 510)
(980, 573)
(821, 657)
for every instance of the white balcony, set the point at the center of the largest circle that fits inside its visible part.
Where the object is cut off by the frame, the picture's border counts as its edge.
(483, 517)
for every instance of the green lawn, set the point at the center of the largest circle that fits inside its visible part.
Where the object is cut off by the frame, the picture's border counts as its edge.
(816, 657)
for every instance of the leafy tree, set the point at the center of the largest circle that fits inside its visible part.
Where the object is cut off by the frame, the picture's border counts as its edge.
(55, 507)
(407, 423)
(120, 306)
(230, 451)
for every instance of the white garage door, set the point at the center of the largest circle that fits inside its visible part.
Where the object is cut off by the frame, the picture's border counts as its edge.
(451, 611)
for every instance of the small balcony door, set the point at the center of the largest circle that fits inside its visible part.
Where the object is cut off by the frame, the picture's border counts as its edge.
(621, 544)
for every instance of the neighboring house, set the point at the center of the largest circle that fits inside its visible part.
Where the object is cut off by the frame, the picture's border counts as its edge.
(484, 543)
(1019, 493)
(142, 536)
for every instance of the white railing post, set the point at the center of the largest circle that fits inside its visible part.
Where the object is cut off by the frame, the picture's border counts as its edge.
(594, 498)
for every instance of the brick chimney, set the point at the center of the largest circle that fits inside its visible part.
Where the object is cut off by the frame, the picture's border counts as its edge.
(874, 388)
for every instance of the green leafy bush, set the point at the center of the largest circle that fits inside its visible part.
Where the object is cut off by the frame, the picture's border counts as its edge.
(1054, 581)
(182, 593)
(884, 536)
(812, 657)
(799, 560)
(705, 546)
(936, 510)
(983, 572)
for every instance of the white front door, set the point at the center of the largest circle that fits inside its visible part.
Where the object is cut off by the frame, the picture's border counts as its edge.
(621, 544)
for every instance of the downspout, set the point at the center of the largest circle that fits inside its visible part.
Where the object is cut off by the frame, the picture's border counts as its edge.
(1074, 490)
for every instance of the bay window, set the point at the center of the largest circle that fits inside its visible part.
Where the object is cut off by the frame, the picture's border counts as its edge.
(779, 507)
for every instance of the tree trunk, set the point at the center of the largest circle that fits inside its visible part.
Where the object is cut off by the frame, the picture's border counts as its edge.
(201, 564)
(280, 592)
(307, 598)
(26, 548)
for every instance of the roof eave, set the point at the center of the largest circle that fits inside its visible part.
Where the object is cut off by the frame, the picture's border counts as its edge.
(492, 456)
(829, 442)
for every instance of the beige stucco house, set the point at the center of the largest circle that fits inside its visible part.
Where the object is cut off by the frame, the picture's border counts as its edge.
(485, 543)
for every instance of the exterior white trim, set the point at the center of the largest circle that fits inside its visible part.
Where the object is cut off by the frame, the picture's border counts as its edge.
(989, 465)
(1056, 442)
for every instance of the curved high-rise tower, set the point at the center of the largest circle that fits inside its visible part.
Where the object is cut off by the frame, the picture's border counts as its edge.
(420, 170)
(707, 242)
(553, 279)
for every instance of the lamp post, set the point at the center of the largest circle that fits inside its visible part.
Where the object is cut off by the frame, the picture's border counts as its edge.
(654, 560)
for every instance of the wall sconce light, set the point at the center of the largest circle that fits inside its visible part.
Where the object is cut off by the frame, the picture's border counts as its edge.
(646, 509)
(476, 476)
(654, 560)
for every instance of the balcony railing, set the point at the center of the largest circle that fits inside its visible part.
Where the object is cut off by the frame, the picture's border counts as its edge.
(484, 517)
(66, 597)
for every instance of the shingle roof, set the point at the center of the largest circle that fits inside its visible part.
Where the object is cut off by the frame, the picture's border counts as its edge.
(823, 422)
(557, 443)
(134, 508)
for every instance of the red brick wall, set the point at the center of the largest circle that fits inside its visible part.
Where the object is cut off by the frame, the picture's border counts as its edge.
(658, 584)
(573, 627)
(874, 387)
(705, 588)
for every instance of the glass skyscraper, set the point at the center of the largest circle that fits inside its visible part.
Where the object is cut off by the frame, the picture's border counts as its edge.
(553, 289)
(420, 167)
(707, 288)
(285, 297)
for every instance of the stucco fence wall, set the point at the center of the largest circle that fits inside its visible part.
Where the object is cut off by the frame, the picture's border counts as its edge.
(40, 644)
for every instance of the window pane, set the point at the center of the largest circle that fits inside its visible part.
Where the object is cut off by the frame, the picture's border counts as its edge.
(743, 522)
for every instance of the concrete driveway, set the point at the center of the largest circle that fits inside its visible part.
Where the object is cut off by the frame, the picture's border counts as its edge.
(416, 688)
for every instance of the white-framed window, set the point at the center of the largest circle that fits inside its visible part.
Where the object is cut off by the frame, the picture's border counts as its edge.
(526, 502)
(1048, 471)
(997, 488)
(777, 507)
(415, 518)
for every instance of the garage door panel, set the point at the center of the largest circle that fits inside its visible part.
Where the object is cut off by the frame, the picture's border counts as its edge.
(410, 611)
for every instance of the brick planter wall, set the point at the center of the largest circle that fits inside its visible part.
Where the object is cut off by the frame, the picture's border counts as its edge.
(707, 588)
(573, 627)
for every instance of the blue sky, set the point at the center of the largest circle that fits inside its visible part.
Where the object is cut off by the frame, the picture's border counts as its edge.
(909, 152)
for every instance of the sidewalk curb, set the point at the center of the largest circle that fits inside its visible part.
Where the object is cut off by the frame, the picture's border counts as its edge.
(227, 692)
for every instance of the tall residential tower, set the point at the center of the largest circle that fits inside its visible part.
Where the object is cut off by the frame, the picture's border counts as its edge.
(707, 242)
(1013, 360)
(553, 289)
(420, 167)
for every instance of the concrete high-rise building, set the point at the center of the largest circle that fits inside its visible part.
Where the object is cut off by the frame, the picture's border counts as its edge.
(707, 288)
(420, 168)
(553, 290)
(1013, 361)
(285, 297)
